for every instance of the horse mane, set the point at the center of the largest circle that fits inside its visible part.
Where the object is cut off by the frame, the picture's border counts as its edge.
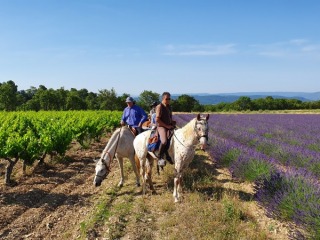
(188, 129)
(114, 137)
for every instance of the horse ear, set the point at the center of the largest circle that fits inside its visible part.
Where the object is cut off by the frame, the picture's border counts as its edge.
(198, 117)
(207, 117)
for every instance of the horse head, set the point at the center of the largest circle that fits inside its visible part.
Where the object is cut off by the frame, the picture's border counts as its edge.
(201, 128)
(102, 169)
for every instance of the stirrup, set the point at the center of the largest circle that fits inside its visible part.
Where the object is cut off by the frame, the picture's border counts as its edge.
(161, 162)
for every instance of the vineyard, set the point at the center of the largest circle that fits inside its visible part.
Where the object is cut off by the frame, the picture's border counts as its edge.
(31, 136)
(280, 153)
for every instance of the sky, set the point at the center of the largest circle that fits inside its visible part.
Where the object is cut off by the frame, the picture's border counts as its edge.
(180, 46)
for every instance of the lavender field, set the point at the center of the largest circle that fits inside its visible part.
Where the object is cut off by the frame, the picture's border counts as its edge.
(279, 153)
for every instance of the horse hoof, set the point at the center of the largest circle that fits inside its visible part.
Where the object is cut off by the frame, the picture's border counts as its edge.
(138, 184)
(120, 185)
(154, 192)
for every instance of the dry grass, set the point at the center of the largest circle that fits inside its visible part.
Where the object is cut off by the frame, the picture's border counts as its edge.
(208, 210)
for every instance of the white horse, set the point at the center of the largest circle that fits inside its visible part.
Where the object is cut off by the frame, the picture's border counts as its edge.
(119, 146)
(182, 149)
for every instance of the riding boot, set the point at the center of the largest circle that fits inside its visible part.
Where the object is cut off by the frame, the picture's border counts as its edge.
(169, 159)
(161, 161)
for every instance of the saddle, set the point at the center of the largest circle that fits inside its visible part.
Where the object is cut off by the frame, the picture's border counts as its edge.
(154, 140)
(134, 131)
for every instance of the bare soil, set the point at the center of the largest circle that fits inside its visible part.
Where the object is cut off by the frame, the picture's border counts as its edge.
(54, 200)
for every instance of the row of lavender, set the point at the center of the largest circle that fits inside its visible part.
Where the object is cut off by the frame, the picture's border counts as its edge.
(280, 153)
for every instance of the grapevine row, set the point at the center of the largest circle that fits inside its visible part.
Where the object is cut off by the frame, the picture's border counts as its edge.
(30, 136)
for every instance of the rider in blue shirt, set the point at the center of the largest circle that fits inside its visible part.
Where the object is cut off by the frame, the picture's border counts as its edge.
(133, 115)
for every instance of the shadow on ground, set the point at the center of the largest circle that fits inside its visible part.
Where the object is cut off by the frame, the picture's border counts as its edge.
(202, 176)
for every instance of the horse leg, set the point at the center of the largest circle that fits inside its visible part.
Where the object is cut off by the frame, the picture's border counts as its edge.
(120, 161)
(135, 162)
(142, 173)
(158, 169)
(149, 175)
(177, 187)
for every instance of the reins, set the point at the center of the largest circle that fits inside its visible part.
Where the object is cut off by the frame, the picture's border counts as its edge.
(174, 134)
(107, 152)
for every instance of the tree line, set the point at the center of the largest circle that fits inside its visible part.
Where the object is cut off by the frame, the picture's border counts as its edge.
(268, 103)
(48, 99)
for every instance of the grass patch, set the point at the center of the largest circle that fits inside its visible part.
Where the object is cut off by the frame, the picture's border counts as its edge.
(267, 148)
(314, 147)
(203, 219)
(231, 156)
(101, 213)
(202, 214)
(252, 169)
(252, 130)
(207, 210)
(120, 212)
(268, 135)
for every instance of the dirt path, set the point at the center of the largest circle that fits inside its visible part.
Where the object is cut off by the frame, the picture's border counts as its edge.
(51, 200)
(60, 202)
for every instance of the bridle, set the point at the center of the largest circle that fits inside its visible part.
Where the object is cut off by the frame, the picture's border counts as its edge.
(198, 136)
(108, 168)
(204, 135)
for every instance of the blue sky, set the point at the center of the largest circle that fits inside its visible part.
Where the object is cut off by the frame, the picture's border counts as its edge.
(180, 46)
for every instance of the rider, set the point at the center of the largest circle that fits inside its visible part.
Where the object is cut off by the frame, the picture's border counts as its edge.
(164, 125)
(153, 113)
(134, 116)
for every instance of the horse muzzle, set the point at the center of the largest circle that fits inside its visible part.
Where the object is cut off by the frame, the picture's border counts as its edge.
(203, 143)
(98, 180)
(97, 184)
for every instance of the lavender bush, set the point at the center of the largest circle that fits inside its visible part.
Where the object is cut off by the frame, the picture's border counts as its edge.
(292, 195)
(280, 153)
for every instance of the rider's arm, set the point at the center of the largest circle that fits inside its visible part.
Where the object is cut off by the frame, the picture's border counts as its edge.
(124, 117)
(144, 117)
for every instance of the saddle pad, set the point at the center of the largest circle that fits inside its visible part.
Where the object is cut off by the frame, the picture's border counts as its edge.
(153, 141)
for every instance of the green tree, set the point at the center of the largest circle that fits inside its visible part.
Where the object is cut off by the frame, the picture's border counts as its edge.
(122, 101)
(61, 98)
(242, 104)
(92, 101)
(186, 103)
(146, 98)
(8, 96)
(75, 102)
(108, 99)
(48, 99)
(270, 103)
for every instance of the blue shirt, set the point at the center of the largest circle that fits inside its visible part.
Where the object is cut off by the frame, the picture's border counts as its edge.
(153, 118)
(134, 115)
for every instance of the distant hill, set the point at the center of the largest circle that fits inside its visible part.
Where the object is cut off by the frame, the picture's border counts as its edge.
(206, 98)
